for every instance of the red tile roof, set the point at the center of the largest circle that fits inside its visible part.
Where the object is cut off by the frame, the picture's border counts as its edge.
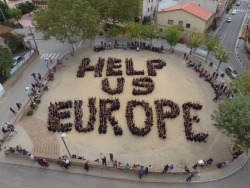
(191, 8)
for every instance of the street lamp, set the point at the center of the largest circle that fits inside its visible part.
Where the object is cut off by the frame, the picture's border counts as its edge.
(63, 135)
(32, 35)
(27, 90)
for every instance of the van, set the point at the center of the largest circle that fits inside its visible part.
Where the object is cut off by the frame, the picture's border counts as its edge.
(16, 61)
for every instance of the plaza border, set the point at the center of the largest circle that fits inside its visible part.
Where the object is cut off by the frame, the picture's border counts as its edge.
(228, 171)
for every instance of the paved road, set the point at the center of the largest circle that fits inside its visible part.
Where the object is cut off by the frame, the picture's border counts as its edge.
(229, 33)
(12, 176)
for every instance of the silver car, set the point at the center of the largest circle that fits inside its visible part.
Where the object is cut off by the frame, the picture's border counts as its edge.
(231, 73)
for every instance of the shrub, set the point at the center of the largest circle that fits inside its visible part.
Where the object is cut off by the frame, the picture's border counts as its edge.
(30, 112)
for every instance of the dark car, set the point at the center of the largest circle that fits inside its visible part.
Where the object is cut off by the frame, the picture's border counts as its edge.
(231, 73)
(238, 3)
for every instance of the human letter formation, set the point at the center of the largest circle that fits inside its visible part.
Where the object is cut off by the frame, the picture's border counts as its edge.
(165, 109)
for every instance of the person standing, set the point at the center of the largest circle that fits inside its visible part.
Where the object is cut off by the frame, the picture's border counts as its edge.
(19, 105)
(141, 172)
(39, 76)
(86, 166)
(13, 111)
(185, 55)
(191, 175)
(165, 169)
(32, 157)
(171, 167)
(146, 171)
(103, 158)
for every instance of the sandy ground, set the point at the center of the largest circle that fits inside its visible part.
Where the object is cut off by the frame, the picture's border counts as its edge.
(174, 81)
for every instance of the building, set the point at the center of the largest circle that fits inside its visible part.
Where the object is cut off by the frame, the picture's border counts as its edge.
(247, 38)
(149, 8)
(186, 16)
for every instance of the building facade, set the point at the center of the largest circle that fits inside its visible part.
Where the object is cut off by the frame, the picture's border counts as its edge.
(186, 16)
(149, 8)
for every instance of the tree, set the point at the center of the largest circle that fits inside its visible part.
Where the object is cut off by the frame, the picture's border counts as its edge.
(67, 20)
(4, 15)
(113, 31)
(15, 13)
(222, 55)
(133, 30)
(149, 32)
(233, 117)
(241, 85)
(211, 44)
(14, 41)
(122, 10)
(26, 7)
(172, 35)
(5, 62)
(193, 38)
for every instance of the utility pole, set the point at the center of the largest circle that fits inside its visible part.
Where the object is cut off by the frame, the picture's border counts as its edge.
(34, 39)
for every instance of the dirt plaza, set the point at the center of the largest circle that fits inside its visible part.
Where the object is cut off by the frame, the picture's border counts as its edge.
(173, 82)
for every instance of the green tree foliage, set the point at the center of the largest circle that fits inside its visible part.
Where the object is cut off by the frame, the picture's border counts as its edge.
(113, 31)
(133, 30)
(233, 117)
(67, 20)
(149, 31)
(5, 62)
(117, 10)
(15, 13)
(26, 7)
(211, 44)
(14, 41)
(172, 34)
(193, 38)
(222, 55)
(241, 85)
(4, 9)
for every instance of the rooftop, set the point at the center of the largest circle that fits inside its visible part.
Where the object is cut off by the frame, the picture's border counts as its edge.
(191, 8)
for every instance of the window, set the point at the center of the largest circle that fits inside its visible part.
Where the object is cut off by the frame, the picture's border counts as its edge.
(148, 1)
(161, 30)
(180, 24)
(148, 9)
(170, 22)
(151, 8)
(188, 25)
(152, 1)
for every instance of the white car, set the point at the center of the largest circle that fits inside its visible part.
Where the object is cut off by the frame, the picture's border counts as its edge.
(234, 12)
(229, 19)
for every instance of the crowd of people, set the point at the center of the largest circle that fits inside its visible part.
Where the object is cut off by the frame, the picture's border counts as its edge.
(135, 130)
(130, 68)
(118, 90)
(112, 64)
(155, 64)
(188, 122)
(84, 67)
(54, 116)
(161, 115)
(79, 115)
(106, 115)
(145, 82)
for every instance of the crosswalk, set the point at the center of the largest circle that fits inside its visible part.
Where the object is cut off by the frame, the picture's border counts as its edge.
(240, 10)
(181, 47)
(50, 55)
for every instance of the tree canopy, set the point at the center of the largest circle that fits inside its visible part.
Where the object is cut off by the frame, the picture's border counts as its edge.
(67, 20)
(15, 13)
(149, 31)
(26, 7)
(233, 117)
(241, 85)
(172, 35)
(113, 31)
(211, 44)
(4, 9)
(5, 61)
(193, 38)
(132, 30)
(117, 10)
(222, 55)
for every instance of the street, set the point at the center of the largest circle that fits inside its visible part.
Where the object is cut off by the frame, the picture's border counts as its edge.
(13, 176)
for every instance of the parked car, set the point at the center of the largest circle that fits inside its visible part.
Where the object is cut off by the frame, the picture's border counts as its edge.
(233, 12)
(238, 3)
(229, 19)
(231, 73)
(16, 61)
